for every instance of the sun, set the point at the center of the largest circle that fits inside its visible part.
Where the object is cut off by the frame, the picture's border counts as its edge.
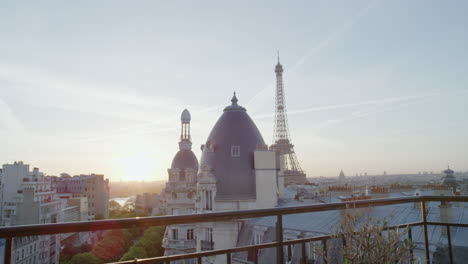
(138, 165)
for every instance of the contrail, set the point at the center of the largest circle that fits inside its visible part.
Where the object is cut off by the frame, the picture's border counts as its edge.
(363, 103)
(324, 43)
(334, 35)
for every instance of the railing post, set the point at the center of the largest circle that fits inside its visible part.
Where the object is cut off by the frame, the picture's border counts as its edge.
(410, 237)
(449, 238)
(303, 250)
(255, 256)
(228, 258)
(279, 239)
(426, 240)
(8, 248)
(325, 251)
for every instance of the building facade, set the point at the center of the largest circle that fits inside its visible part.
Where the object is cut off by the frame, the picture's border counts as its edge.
(28, 197)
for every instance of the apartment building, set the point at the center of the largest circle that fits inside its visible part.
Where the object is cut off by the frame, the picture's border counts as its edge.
(93, 187)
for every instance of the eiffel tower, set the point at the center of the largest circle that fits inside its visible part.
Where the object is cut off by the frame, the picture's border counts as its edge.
(293, 174)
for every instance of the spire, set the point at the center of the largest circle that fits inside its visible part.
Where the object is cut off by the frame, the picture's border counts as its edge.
(234, 99)
(279, 67)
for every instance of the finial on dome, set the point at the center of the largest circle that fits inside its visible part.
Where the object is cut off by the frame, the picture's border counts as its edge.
(234, 106)
(278, 56)
(234, 99)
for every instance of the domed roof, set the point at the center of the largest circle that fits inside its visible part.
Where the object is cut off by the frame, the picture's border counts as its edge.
(185, 117)
(229, 152)
(185, 159)
(449, 179)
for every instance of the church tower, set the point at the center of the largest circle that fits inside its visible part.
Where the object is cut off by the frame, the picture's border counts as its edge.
(180, 193)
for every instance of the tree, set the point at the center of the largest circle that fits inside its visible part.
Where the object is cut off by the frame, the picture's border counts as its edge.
(135, 253)
(368, 241)
(150, 242)
(114, 206)
(111, 247)
(85, 258)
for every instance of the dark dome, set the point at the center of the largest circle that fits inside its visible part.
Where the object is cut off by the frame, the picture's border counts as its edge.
(234, 174)
(185, 159)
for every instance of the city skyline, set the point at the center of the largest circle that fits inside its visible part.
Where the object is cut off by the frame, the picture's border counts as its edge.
(371, 86)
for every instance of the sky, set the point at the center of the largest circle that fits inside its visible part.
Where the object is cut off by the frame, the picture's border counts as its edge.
(99, 86)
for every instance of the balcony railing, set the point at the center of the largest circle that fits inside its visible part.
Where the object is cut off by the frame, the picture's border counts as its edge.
(180, 244)
(48, 229)
(207, 245)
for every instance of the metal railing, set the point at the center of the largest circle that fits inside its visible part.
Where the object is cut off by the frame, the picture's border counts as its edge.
(48, 229)
(207, 245)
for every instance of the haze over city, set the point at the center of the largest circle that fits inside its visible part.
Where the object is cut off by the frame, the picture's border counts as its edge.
(371, 86)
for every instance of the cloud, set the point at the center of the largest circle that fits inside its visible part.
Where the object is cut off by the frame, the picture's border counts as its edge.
(156, 114)
(47, 90)
(169, 123)
(8, 120)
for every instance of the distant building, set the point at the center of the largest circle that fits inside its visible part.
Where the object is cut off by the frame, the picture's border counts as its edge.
(94, 187)
(449, 179)
(341, 177)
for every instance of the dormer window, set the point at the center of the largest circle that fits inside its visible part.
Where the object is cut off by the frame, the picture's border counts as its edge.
(235, 151)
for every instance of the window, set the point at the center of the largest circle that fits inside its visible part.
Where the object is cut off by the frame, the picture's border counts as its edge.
(182, 176)
(189, 234)
(175, 234)
(235, 151)
(175, 211)
(208, 200)
(209, 234)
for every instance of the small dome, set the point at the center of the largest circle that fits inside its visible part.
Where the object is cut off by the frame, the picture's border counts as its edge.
(185, 117)
(185, 159)
(234, 131)
(449, 178)
(448, 171)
